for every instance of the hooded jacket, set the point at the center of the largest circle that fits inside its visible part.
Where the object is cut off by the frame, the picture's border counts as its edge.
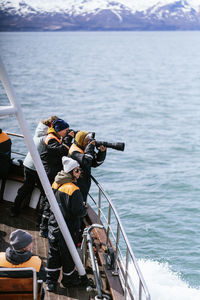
(87, 159)
(70, 201)
(52, 155)
(39, 138)
(15, 259)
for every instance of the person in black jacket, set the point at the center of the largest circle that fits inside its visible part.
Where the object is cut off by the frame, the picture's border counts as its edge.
(5, 154)
(73, 209)
(52, 160)
(82, 150)
(31, 178)
(19, 255)
(55, 149)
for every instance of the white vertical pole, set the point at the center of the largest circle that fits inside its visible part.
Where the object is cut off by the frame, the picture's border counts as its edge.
(40, 169)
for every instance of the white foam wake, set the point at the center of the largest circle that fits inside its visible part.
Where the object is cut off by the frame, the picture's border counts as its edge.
(163, 284)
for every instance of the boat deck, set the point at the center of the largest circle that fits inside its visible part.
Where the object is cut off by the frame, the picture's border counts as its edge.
(26, 221)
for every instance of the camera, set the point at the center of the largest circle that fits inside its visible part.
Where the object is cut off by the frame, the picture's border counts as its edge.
(117, 146)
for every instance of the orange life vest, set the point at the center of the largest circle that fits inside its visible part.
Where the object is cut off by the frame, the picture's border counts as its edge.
(51, 136)
(33, 262)
(74, 147)
(3, 137)
(67, 188)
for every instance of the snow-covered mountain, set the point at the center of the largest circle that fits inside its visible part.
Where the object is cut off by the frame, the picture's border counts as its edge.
(99, 15)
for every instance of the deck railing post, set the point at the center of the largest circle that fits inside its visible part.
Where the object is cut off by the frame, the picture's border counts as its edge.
(108, 226)
(126, 273)
(140, 290)
(99, 205)
(115, 272)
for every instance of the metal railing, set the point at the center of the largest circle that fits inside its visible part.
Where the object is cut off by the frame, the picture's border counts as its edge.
(125, 265)
(20, 136)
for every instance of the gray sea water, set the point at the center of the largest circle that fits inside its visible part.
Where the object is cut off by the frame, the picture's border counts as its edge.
(141, 88)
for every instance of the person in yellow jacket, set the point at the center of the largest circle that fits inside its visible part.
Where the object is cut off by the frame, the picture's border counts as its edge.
(19, 255)
(5, 154)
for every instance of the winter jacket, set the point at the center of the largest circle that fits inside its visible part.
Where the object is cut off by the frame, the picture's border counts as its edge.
(52, 155)
(71, 205)
(87, 159)
(15, 259)
(39, 138)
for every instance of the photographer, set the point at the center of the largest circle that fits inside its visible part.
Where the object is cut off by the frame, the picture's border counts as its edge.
(83, 151)
(51, 158)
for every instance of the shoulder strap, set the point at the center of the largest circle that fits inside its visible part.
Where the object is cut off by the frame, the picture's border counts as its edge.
(74, 147)
(51, 136)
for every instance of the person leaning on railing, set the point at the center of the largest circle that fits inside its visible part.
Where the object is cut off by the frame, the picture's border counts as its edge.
(83, 151)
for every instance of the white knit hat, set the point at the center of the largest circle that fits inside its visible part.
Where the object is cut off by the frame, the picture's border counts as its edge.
(69, 164)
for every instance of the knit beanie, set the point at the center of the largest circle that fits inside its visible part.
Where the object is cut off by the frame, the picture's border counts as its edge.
(60, 124)
(69, 164)
(80, 137)
(20, 239)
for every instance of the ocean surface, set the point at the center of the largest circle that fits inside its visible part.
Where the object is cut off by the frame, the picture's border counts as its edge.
(141, 88)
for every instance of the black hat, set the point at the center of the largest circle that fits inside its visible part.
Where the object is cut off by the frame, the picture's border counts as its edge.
(60, 124)
(20, 239)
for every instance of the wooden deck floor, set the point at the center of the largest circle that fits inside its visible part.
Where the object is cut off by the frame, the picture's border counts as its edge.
(26, 221)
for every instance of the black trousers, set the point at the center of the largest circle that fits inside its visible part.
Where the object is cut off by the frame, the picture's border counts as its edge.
(5, 167)
(45, 209)
(31, 178)
(58, 256)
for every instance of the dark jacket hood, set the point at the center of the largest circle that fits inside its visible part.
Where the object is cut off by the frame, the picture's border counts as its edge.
(16, 257)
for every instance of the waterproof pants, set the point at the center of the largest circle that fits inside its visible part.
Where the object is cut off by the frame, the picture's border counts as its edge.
(58, 256)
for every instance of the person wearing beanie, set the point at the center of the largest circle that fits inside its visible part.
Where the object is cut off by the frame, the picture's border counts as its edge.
(5, 154)
(55, 149)
(73, 209)
(19, 255)
(51, 158)
(83, 151)
(59, 125)
(31, 177)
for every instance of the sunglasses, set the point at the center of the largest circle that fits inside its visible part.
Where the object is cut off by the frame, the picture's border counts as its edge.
(77, 170)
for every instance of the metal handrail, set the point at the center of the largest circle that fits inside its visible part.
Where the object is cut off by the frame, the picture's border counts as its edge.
(15, 134)
(130, 290)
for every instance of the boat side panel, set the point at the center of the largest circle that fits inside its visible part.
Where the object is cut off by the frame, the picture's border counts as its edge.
(10, 192)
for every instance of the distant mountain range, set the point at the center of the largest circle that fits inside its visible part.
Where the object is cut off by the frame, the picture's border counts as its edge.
(66, 15)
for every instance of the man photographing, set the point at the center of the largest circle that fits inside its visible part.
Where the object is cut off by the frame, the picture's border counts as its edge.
(83, 151)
